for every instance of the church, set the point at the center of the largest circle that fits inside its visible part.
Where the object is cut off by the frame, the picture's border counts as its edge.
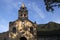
(22, 28)
(25, 29)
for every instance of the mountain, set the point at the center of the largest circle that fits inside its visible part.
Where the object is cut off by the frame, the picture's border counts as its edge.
(49, 29)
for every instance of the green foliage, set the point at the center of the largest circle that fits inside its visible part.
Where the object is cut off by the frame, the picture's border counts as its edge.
(48, 27)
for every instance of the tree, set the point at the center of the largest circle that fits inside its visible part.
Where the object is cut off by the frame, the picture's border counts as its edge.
(51, 3)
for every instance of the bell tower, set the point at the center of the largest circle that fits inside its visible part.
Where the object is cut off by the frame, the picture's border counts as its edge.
(23, 12)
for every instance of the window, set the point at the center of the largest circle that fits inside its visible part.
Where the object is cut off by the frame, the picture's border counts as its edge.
(20, 14)
(23, 8)
(31, 29)
(14, 30)
(24, 14)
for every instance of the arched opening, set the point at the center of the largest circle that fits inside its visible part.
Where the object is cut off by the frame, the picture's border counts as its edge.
(24, 15)
(20, 14)
(31, 30)
(22, 38)
(14, 30)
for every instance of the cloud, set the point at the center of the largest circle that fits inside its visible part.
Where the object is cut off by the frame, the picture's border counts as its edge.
(57, 20)
(38, 10)
(35, 7)
(3, 28)
(3, 25)
(11, 3)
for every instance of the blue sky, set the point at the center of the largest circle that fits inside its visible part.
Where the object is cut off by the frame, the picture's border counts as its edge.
(36, 9)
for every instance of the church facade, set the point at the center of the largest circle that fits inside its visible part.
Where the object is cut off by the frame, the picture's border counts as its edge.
(22, 28)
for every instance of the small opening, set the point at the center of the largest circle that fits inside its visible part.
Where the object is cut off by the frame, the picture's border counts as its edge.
(21, 14)
(22, 38)
(14, 30)
(24, 14)
(31, 29)
(23, 8)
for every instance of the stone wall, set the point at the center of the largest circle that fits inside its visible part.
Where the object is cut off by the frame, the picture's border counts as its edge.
(49, 38)
(4, 36)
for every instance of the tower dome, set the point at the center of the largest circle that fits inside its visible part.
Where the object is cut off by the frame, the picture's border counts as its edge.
(23, 5)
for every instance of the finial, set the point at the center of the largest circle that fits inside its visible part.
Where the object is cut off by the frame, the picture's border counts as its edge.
(35, 22)
(23, 5)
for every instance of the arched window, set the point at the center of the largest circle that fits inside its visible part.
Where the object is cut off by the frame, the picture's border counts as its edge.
(14, 30)
(31, 29)
(24, 14)
(20, 14)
